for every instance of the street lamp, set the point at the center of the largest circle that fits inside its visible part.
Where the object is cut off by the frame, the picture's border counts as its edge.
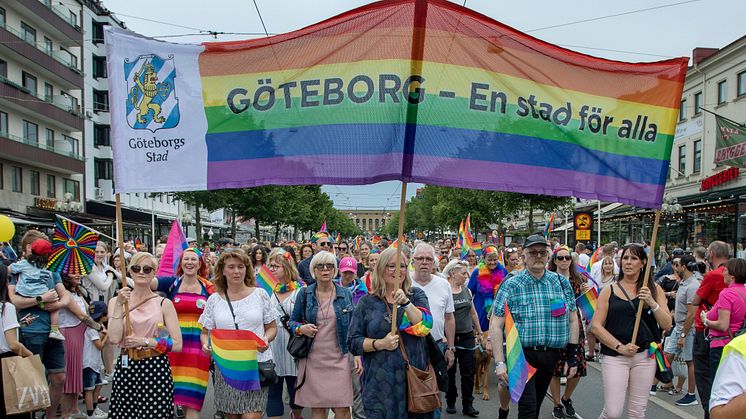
(186, 218)
(68, 205)
(566, 212)
(670, 209)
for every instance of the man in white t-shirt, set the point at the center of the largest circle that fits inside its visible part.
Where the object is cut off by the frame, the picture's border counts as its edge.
(728, 397)
(583, 257)
(607, 250)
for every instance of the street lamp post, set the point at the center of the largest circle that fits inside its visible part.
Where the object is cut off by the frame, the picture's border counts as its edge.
(566, 212)
(670, 209)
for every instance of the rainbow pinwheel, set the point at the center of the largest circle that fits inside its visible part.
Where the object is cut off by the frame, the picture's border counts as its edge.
(73, 248)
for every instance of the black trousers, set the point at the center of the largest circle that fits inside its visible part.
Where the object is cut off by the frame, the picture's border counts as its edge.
(466, 364)
(703, 374)
(545, 362)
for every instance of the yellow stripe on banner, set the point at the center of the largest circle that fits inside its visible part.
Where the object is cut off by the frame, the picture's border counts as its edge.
(438, 78)
(190, 380)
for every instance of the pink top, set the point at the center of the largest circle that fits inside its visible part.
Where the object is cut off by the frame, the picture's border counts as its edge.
(145, 319)
(731, 299)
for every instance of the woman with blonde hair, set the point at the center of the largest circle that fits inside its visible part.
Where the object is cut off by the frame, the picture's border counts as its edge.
(143, 371)
(282, 264)
(384, 382)
(238, 304)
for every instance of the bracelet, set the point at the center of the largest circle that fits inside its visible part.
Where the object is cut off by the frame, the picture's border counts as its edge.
(657, 306)
(616, 348)
(407, 303)
(163, 345)
(373, 344)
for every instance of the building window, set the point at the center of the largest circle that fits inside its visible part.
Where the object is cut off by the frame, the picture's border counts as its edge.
(73, 60)
(4, 68)
(72, 187)
(4, 123)
(30, 133)
(98, 32)
(34, 179)
(73, 144)
(48, 92)
(682, 110)
(99, 67)
(51, 186)
(17, 180)
(50, 139)
(48, 46)
(682, 160)
(722, 92)
(697, 103)
(100, 101)
(2, 17)
(29, 82)
(28, 33)
(103, 169)
(741, 78)
(2, 176)
(101, 135)
(697, 167)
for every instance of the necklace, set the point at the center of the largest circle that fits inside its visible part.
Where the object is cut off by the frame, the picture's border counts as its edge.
(290, 286)
(324, 309)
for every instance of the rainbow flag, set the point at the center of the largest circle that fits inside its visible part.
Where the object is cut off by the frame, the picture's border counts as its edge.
(595, 257)
(338, 239)
(656, 351)
(235, 353)
(460, 240)
(587, 303)
(549, 226)
(468, 239)
(375, 239)
(587, 275)
(519, 370)
(175, 246)
(267, 280)
(323, 227)
(410, 90)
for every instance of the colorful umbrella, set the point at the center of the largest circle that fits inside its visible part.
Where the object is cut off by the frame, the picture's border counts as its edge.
(73, 248)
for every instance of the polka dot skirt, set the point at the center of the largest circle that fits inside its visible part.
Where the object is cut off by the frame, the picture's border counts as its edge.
(143, 390)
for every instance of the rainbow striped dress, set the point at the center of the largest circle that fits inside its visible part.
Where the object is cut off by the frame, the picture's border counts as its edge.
(190, 367)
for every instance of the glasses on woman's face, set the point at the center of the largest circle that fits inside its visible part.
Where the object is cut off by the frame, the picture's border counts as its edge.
(342, 249)
(324, 244)
(391, 267)
(325, 266)
(274, 267)
(564, 258)
(145, 269)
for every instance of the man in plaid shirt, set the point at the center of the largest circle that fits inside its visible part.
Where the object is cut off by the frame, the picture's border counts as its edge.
(543, 307)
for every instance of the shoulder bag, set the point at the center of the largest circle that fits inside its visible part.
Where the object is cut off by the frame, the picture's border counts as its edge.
(267, 373)
(299, 345)
(663, 373)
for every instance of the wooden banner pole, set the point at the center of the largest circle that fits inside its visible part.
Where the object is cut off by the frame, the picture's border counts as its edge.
(123, 265)
(651, 258)
(400, 234)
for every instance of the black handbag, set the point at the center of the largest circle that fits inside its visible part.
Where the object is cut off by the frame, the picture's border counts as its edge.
(664, 375)
(299, 346)
(267, 373)
(438, 361)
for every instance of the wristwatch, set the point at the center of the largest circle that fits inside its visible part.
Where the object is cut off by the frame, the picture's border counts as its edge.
(147, 343)
(39, 299)
(452, 348)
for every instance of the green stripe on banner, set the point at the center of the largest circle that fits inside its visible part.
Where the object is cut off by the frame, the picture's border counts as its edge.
(453, 113)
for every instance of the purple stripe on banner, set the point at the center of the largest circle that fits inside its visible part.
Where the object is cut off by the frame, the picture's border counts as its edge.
(305, 170)
(460, 173)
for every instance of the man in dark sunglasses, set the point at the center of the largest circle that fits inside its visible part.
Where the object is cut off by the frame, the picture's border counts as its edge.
(319, 241)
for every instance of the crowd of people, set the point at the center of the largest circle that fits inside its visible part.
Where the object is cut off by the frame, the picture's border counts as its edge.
(346, 321)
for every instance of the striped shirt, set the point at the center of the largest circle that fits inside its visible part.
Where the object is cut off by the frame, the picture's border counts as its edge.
(529, 301)
(285, 365)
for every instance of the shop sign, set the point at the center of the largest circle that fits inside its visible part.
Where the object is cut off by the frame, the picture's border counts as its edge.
(45, 203)
(718, 179)
(583, 225)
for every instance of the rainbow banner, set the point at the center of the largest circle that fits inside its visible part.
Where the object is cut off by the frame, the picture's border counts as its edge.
(267, 280)
(412, 90)
(235, 353)
(519, 370)
(549, 226)
(587, 303)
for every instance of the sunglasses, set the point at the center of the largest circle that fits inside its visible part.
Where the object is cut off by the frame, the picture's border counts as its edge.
(324, 244)
(511, 249)
(145, 269)
(344, 249)
(565, 258)
(326, 266)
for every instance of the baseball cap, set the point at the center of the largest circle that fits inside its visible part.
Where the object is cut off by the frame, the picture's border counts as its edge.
(535, 239)
(348, 264)
(678, 252)
(97, 309)
(41, 247)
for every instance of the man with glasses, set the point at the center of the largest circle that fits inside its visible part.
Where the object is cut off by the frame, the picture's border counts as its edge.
(319, 241)
(440, 298)
(343, 249)
(681, 341)
(542, 304)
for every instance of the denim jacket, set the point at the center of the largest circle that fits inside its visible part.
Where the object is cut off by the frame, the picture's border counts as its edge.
(342, 309)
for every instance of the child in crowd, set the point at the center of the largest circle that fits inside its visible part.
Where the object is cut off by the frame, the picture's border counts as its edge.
(92, 361)
(34, 280)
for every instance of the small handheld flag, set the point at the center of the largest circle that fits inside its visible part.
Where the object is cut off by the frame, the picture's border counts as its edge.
(175, 246)
(323, 226)
(587, 303)
(267, 280)
(549, 227)
(235, 354)
(594, 258)
(519, 370)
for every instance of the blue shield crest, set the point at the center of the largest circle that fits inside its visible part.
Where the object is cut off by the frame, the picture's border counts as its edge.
(151, 96)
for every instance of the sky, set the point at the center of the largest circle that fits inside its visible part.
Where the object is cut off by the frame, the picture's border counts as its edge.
(633, 30)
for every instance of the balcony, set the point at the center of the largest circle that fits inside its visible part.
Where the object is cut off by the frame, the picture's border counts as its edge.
(23, 98)
(37, 154)
(53, 61)
(57, 17)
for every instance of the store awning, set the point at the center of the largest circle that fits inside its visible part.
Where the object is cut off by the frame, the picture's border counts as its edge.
(21, 221)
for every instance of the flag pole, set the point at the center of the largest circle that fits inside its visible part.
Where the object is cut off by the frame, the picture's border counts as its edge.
(123, 265)
(647, 273)
(400, 232)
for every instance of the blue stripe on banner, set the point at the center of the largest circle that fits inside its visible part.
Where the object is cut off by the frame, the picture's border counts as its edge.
(464, 144)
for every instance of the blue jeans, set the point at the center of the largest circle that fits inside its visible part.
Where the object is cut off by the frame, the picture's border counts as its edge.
(275, 406)
(51, 351)
(443, 346)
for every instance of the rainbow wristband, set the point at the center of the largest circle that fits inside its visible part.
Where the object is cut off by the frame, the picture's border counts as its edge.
(163, 345)
(420, 329)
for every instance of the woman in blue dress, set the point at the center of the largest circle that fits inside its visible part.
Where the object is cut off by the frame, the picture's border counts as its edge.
(384, 381)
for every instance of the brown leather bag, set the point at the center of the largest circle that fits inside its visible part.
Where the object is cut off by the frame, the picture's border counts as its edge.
(423, 395)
